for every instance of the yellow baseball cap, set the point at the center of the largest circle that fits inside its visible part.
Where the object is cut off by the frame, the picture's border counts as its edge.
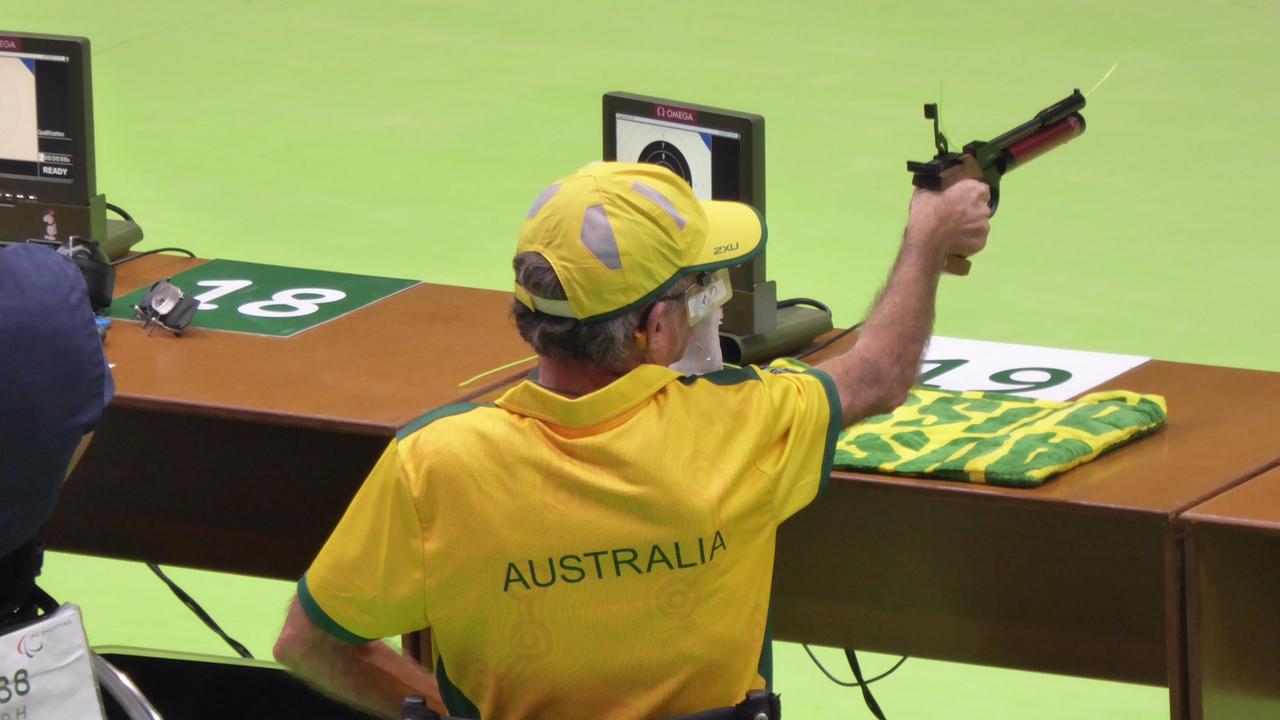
(619, 234)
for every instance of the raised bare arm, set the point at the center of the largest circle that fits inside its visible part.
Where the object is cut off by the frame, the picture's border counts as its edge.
(875, 375)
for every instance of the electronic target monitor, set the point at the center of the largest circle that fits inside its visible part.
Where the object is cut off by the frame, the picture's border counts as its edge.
(720, 153)
(48, 190)
(46, 130)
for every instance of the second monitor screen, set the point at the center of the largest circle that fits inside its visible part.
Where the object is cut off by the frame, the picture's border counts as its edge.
(35, 127)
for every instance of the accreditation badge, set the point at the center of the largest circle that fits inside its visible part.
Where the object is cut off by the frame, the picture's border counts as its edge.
(45, 671)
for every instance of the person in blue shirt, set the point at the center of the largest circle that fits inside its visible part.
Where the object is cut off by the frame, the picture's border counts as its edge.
(54, 385)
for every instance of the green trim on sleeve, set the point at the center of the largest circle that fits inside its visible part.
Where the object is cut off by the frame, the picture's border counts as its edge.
(765, 668)
(321, 618)
(459, 705)
(443, 411)
(834, 426)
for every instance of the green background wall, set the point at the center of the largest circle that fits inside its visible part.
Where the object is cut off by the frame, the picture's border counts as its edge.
(407, 139)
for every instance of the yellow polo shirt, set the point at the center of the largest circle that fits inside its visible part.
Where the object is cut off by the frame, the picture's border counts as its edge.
(607, 556)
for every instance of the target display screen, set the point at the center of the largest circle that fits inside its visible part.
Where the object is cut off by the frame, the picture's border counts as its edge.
(707, 158)
(719, 152)
(35, 125)
(46, 121)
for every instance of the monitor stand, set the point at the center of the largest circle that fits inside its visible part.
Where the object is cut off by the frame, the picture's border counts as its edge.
(122, 235)
(756, 330)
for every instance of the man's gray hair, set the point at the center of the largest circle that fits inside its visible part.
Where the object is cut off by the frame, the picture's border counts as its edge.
(610, 344)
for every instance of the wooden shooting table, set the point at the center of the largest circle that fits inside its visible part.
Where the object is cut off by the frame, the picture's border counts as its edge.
(1081, 576)
(1233, 600)
(239, 453)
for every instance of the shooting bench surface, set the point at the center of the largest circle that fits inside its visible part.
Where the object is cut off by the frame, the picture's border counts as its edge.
(239, 453)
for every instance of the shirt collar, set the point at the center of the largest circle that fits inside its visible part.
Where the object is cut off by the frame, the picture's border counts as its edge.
(625, 393)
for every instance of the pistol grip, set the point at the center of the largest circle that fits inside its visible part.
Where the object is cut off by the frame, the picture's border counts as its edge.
(967, 169)
(956, 265)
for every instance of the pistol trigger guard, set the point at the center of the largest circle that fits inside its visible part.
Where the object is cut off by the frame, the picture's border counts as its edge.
(994, 202)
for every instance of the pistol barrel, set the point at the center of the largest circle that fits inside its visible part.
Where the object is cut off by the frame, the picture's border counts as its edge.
(1055, 113)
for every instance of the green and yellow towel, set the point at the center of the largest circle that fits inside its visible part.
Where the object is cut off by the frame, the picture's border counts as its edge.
(993, 438)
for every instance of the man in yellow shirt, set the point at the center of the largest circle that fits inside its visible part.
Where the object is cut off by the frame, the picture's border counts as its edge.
(599, 542)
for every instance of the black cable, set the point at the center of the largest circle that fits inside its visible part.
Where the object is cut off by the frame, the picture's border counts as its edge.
(135, 256)
(120, 211)
(843, 683)
(804, 301)
(194, 607)
(867, 696)
(827, 342)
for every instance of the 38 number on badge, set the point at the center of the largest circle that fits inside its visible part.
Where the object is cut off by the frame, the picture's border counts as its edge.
(19, 687)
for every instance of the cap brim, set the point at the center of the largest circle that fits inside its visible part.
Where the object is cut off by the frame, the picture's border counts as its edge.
(735, 234)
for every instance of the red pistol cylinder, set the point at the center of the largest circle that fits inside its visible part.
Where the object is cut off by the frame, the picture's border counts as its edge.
(1033, 146)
